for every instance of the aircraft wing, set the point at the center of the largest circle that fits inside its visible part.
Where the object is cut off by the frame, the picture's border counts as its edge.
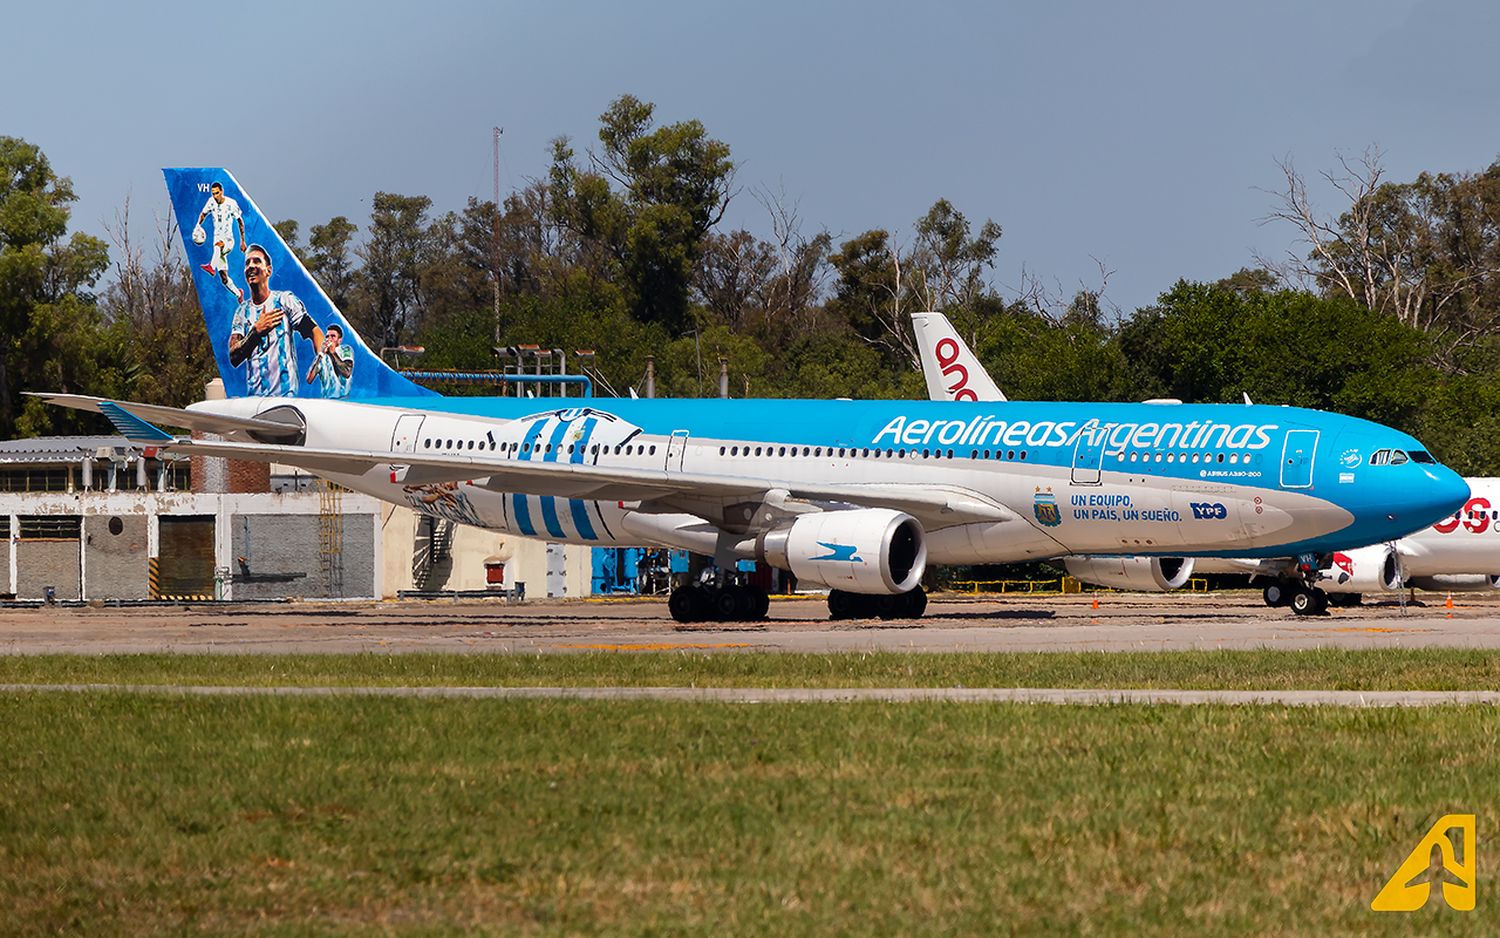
(934, 506)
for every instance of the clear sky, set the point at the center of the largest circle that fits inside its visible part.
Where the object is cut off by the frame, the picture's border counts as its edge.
(1136, 133)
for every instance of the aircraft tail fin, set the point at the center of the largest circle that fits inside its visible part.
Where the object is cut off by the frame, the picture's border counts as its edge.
(279, 336)
(953, 372)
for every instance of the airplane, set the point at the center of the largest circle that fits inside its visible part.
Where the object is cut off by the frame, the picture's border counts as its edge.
(1460, 553)
(855, 496)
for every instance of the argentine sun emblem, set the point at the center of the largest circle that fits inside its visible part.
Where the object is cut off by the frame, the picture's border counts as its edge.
(1044, 506)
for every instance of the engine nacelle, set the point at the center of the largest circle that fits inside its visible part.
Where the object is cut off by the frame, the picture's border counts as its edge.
(861, 550)
(1154, 574)
(1373, 569)
(1457, 583)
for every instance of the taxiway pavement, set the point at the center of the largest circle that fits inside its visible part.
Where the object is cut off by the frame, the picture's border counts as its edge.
(1123, 622)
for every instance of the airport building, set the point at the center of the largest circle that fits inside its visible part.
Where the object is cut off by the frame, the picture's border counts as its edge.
(100, 518)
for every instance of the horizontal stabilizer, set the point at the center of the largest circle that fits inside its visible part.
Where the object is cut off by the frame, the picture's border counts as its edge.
(132, 427)
(170, 416)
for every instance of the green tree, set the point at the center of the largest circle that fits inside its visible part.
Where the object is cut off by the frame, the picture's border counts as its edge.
(390, 297)
(329, 259)
(289, 229)
(153, 301)
(879, 285)
(644, 204)
(1203, 343)
(52, 336)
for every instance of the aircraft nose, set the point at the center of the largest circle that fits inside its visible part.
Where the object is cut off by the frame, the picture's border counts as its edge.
(1442, 493)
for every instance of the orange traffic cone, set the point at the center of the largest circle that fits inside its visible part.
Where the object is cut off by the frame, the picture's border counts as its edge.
(1449, 605)
(1095, 619)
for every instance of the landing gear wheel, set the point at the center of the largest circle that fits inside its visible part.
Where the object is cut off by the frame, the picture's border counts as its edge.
(915, 603)
(726, 604)
(686, 604)
(842, 605)
(1309, 602)
(761, 603)
(1277, 594)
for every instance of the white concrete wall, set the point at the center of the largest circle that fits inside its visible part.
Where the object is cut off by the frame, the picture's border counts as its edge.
(525, 558)
(154, 504)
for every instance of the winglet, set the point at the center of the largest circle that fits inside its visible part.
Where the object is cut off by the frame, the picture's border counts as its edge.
(132, 427)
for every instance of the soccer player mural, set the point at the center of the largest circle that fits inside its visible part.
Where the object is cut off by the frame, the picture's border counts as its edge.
(262, 336)
(333, 367)
(275, 333)
(225, 213)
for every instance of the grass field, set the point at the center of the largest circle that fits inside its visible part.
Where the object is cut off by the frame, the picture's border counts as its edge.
(1320, 669)
(140, 815)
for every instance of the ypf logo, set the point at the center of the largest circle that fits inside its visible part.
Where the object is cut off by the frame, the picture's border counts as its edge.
(1438, 859)
(947, 356)
(1209, 511)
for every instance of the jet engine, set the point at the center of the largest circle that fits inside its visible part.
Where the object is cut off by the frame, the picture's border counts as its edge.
(860, 550)
(1373, 569)
(1155, 574)
(1456, 583)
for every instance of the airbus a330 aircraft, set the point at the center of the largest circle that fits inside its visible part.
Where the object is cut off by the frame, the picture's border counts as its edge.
(1459, 553)
(858, 496)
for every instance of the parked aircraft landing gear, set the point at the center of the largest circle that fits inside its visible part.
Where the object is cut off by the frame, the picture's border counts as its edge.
(1278, 594)
(1306, 600)
(1309, 601)
(718, 604)
(846, 605)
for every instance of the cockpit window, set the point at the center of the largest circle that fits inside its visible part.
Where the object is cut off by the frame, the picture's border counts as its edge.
(1381, 457)
(1422, 456)
(1398, 458)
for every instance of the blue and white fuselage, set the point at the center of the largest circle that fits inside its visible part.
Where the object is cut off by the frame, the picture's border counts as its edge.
(1168, 479)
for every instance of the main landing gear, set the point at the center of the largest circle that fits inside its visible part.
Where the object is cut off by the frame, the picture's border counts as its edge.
(718, 604)
(908, 605)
